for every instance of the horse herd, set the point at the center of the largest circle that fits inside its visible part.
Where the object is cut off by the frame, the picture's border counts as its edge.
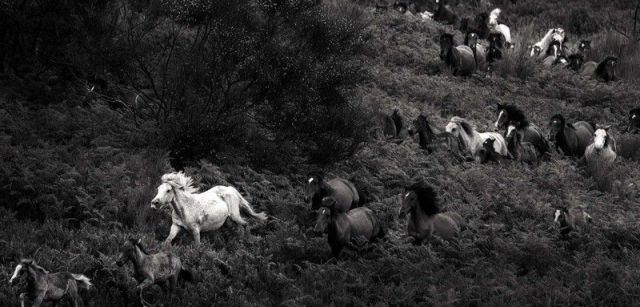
(471, 56)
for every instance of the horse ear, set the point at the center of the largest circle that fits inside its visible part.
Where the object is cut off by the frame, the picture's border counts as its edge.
(606, 128)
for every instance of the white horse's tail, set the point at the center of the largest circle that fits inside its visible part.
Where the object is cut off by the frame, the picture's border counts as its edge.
(82, 280)
(246, 207)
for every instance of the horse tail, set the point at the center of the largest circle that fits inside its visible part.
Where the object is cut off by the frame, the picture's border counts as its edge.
(82, 280)
(246, 207)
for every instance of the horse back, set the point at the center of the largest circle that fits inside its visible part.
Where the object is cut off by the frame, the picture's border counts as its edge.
(444, 226)
(584, 134)
(345, 193)
(500, 145)
(464, 61)
(533, 135)
(363, 223)
(162, 266)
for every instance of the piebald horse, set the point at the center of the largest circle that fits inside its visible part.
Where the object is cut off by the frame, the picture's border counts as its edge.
(508, 113)
(427, 220)
(44, 286)
(459, 58)
(570, 139)
(198, 212)
(603, 149)
(569, 219)
(471, 139)
(343, 227)
(342, 190)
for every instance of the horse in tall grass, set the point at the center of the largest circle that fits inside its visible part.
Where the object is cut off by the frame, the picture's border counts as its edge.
(496, 45)
(340, 189)
(570, 139)
(496, 27)
(602, 150)
(343, 227)
(471, 139)
(540, 48)
(163, 269)
(199, 212)
(43, 286)
(570, 219)
(634, 121)
(479, 52)
(459, 58)
(519, 150)
(508, 113)
(487, 153)
(606, 70)
(445, 14)
(426, 218)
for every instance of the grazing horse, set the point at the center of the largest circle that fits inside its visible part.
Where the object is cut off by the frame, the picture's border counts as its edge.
(444, 14)
(606, 70)
(531, 133)
(426, 218)
(342, 190)
(342, 227)
(634, 121)
(479, 53)
(43, 286)
(459, 58)
(198, 212)
(571, 139)
(603, 149)
(471, 139)
(519, 150)
(163, 269)
(570, 219)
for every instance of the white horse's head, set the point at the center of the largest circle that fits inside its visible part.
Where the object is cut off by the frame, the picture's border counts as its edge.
(601, 138)
(453, 129)
(171, 184)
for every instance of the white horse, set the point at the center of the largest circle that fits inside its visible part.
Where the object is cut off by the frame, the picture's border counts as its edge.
(540, 48)
(500, 28)
(197, 212)
(603, 148)
(472, 140)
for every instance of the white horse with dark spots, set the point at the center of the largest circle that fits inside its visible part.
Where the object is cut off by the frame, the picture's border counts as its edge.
(198, 212)
(472, 140)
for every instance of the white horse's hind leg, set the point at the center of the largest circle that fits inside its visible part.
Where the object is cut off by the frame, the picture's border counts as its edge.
(233, 205)
(247, 207)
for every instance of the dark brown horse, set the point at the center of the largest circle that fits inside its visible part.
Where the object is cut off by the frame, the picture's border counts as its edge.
(488, 153)
(459, 58)
(425, 133)
(519, 150)
(444, 14)
(163, 269)
(479, 53)
(343, 227)
(427, 220)
(496, 45)
(43, 286)
(606, 70)
(570, 139)
(530, 132)
(345, 193)
(576, 62)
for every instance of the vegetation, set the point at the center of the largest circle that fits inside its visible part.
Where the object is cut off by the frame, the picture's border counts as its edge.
(256, 94)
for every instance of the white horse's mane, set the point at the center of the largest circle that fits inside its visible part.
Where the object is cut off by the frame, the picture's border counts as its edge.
(467, 126)
(181, 180)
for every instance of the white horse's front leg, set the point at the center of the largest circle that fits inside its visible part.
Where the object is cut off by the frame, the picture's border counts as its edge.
(196, 235)
(175, 229)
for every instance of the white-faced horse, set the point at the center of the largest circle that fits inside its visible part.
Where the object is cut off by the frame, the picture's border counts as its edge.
(472, 140)
(603, 148)
(197, 212)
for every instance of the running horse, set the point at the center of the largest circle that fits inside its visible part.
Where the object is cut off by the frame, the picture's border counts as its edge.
(508, 113)
(342, 190)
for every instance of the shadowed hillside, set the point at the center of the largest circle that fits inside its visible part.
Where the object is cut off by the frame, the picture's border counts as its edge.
(78, 174)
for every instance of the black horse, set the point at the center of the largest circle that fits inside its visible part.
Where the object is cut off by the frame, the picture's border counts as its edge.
(496, 44)
(606, 70)
(530, 132)
(571, 139)
(444, 14)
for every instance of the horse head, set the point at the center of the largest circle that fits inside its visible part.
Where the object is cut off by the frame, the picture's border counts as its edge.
(634, 120)
(446, 43)
(322, 220)
(503, 116)
(22, 266)
(164, 196)
(471, 39)
(601, 138)
(409, 202)
(400, 6)
(607, 68)
(512, 129)
(535, 50)
(556, 125)
(128, 250)
(314, 183)
(584, 46)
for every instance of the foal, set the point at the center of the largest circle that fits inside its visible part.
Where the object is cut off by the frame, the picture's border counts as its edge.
(603, 149)
(520, 151)
(44, 286)
(426, 218)
(163, 269)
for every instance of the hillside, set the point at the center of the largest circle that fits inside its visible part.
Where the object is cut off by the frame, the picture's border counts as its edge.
(511, 253)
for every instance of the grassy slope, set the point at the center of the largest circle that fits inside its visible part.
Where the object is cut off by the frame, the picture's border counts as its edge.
(511, 253)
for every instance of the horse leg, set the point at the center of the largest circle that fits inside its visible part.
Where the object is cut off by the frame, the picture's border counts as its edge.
(22, 298)
(38, 300)
(175, 229)
(234, 213)
(72, 287)
(196, 235)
